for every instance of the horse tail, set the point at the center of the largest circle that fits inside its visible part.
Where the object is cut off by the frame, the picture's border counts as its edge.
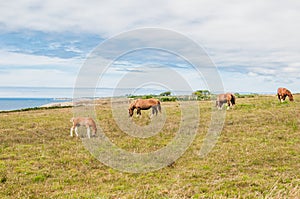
(232, 99)
(158, 106)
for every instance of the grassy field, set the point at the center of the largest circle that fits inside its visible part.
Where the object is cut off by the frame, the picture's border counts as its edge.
(257, 155)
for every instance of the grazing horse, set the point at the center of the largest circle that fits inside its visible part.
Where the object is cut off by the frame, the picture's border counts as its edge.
(83, 121)
(228, 98)
(144, 104)
(282, 93)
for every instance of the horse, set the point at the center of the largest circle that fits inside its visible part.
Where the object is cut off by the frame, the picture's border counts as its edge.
(83, 121)
(144, 104)
(228, 98)
(282, 93)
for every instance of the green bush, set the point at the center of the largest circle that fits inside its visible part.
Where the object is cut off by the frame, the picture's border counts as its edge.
(202, 94)
(168, 99)
(245, 95)
(167, 93)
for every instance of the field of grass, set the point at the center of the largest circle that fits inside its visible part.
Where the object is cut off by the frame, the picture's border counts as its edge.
(257, 155)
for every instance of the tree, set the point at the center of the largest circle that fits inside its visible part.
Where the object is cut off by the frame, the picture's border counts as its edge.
(202, 94)
(167, 93)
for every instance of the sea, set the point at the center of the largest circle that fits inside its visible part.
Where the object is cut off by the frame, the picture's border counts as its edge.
(16, 98)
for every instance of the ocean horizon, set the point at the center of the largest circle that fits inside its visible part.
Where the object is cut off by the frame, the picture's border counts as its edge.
(9, 104)
(15, 98)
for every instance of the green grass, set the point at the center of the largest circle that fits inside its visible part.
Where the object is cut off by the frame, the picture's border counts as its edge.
(257, 155)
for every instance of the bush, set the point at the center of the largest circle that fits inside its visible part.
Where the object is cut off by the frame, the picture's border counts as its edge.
(167, 93)
(202, 94)
(245, 95)
(168, 99)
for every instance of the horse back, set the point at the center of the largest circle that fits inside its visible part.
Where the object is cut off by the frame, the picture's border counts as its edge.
(147, 103)
(222, 97)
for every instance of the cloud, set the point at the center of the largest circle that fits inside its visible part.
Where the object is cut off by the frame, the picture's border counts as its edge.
(62, 45)
(18, 69)
(259, 39)
(37, 78)
(15, 59)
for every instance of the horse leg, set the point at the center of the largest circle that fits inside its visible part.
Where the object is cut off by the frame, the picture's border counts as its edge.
(278, 97)
(76, 131)
(219, 105)
(138, 112)
(71, 131)
(155, 111)
(152, 112)
(228, 104)
(88, 131)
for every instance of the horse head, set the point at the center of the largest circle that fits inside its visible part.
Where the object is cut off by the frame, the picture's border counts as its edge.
(130, 111)
(131, 108)
(291, 97)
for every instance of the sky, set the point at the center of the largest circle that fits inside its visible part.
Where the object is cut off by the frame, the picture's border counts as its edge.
(253, 44)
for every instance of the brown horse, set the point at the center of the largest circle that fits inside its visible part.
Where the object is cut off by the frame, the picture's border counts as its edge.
(228, 98)
(144, 104)
(282, 93)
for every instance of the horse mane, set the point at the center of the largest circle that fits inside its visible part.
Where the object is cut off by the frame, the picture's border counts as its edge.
(132, 104)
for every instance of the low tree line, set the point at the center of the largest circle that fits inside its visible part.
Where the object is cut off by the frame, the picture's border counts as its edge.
(200, 95)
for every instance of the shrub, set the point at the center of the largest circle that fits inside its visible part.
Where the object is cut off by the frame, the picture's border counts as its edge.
(168, 99)
(202, 94)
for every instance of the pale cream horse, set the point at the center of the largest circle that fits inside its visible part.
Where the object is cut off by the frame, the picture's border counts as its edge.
(83, 121)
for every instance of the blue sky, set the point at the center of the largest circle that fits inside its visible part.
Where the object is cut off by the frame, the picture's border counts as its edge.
(254, 44)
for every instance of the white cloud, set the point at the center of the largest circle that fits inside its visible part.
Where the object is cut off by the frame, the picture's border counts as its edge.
(8, 58)
(37, 78)
(251, 37)
(19, 69)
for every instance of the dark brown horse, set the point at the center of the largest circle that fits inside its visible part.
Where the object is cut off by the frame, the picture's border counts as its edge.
(144, 104)
(228, 98)
(282, 93)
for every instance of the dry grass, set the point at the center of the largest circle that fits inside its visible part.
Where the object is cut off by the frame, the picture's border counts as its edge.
(257, 156)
